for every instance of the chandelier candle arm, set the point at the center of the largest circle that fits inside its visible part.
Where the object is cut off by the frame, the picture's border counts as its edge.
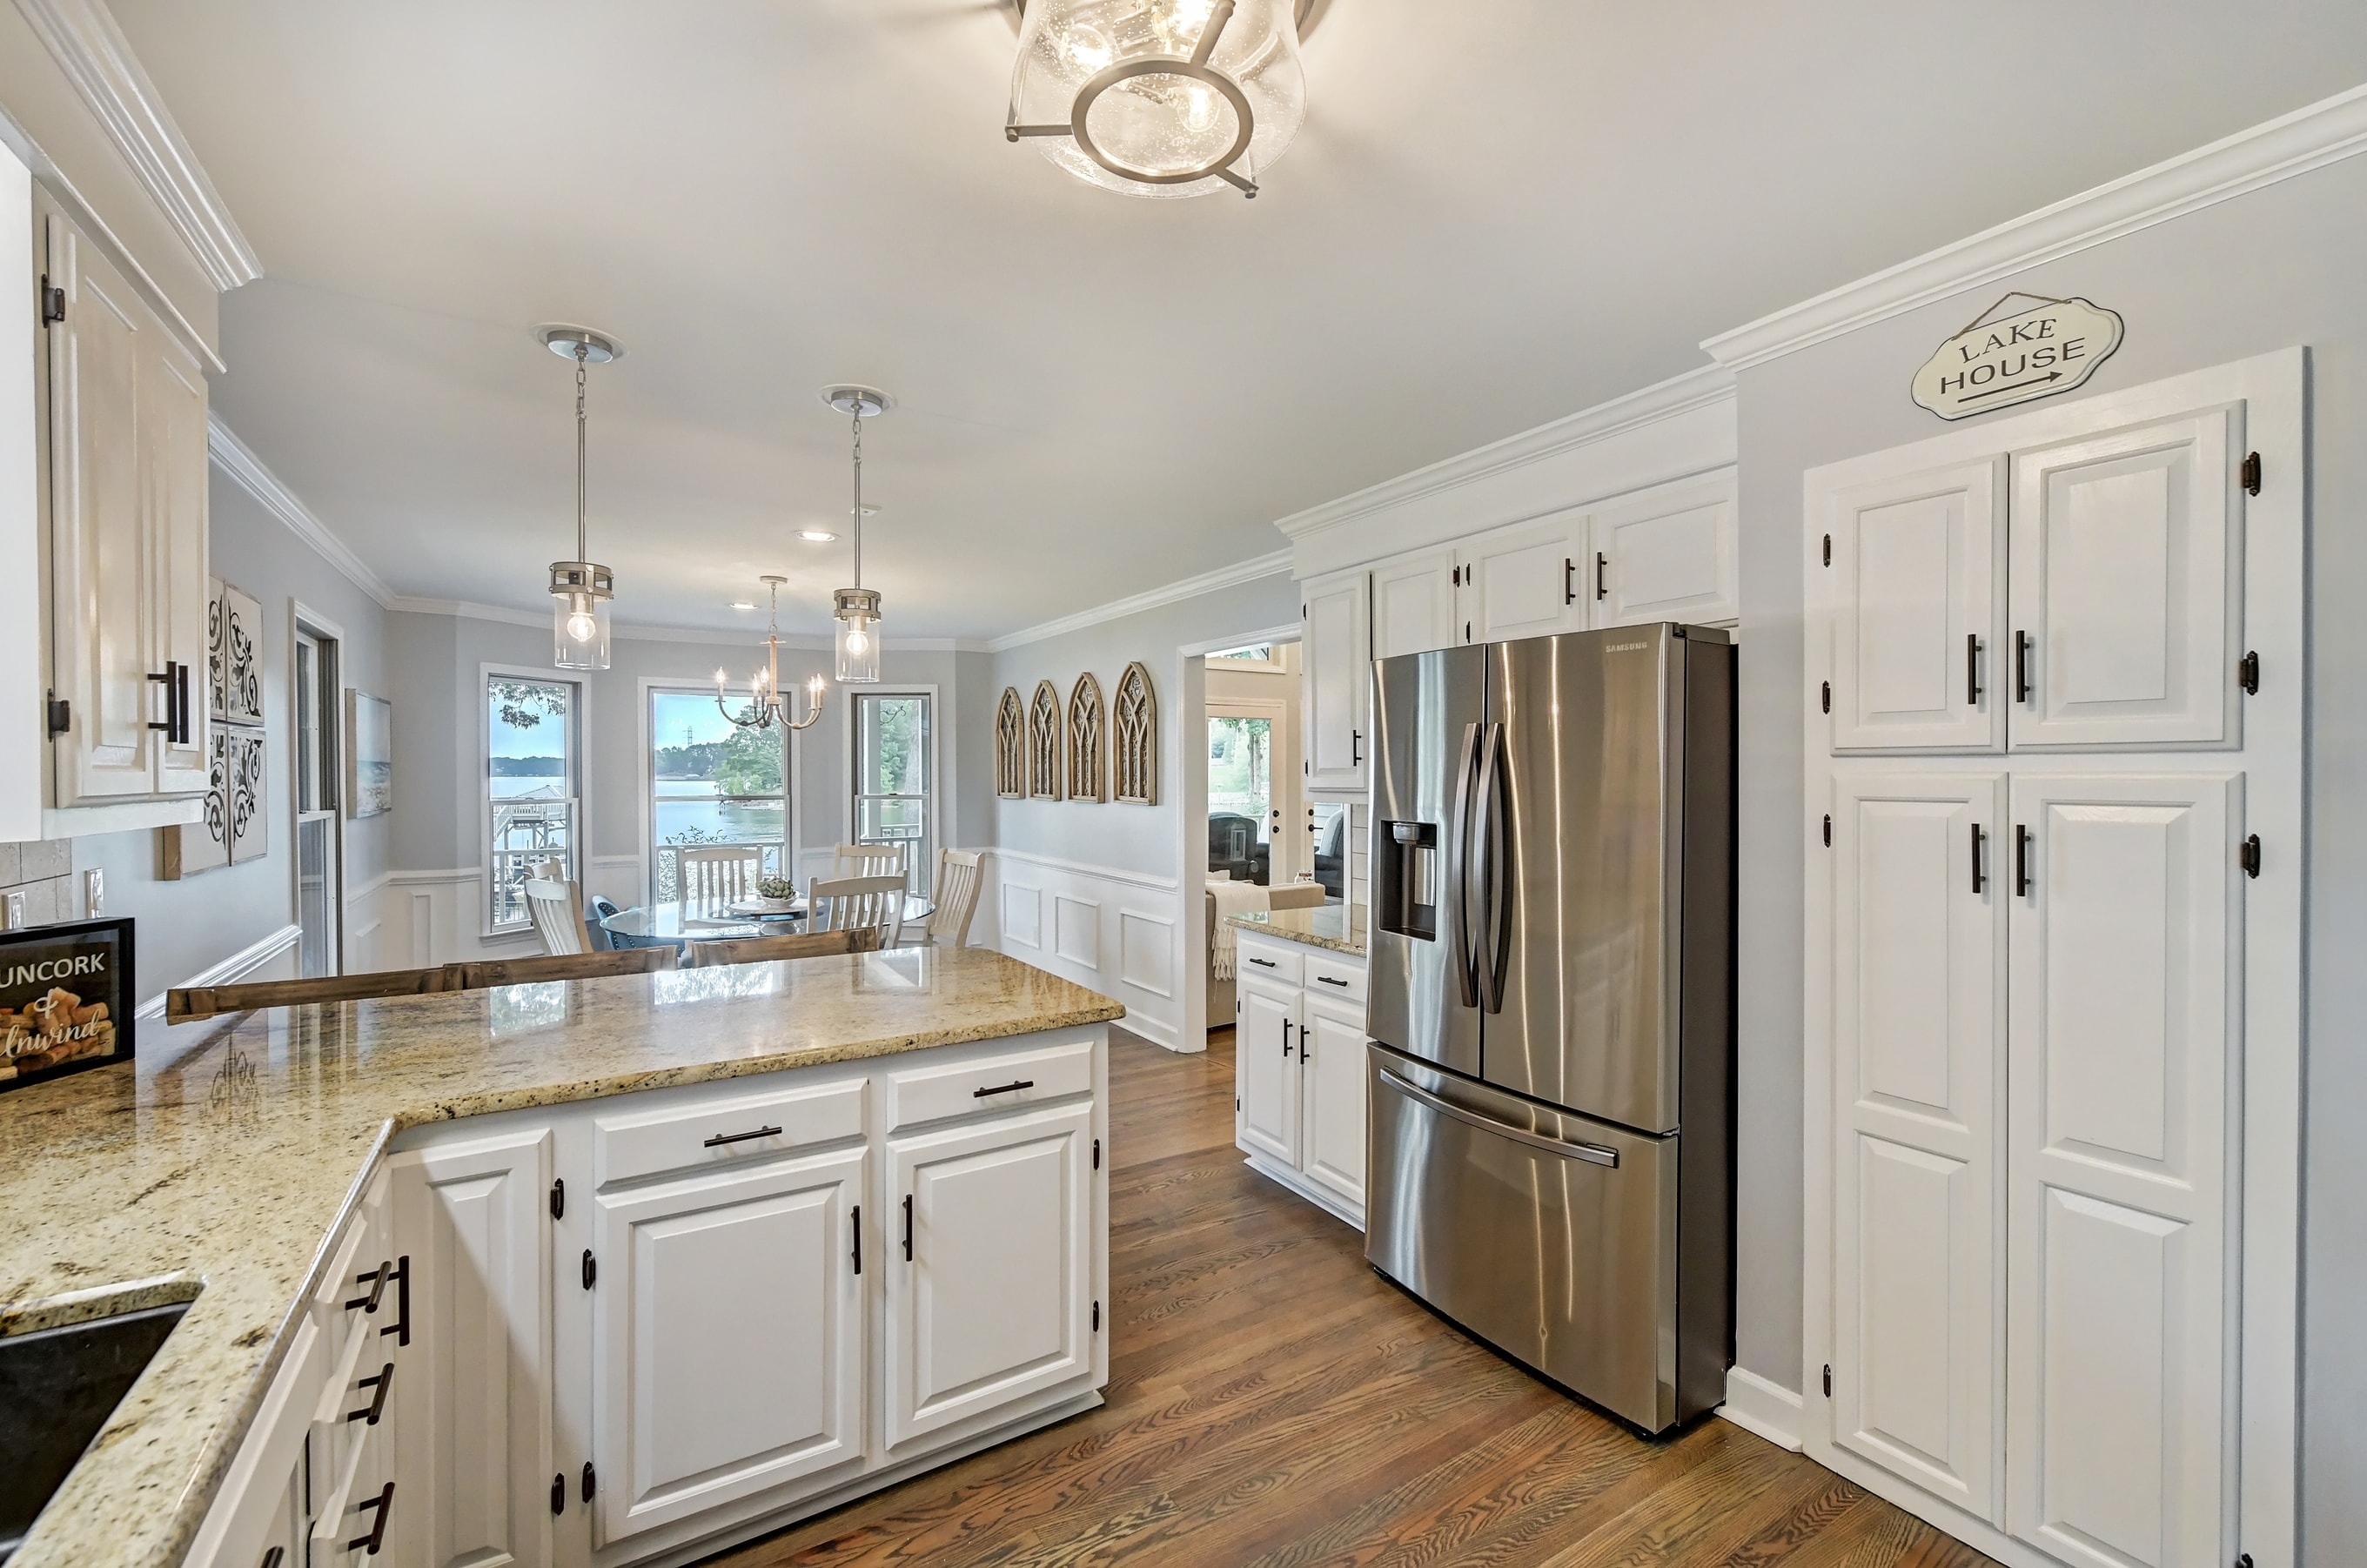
(765, 706)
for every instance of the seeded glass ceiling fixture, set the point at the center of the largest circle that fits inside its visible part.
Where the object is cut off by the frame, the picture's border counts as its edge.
(858, 608)
(581, 590)
(765, 706)
(1161, 97)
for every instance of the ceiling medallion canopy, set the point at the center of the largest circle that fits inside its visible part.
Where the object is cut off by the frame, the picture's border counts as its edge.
(581, 590)
(858, 608)
(1160, 98)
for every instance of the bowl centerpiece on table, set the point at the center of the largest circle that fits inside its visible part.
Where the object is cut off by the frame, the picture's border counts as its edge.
(775, 896)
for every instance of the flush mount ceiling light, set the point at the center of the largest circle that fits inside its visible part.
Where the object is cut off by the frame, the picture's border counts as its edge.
(815, 536)
(581, 590)
(1161, 97)
(858, 608)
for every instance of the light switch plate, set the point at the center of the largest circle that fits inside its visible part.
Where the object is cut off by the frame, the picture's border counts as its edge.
(12, 911)
(94, 892)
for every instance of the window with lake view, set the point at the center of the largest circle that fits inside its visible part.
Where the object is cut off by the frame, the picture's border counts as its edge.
(532, 790)
(894, 776)
(712, 782)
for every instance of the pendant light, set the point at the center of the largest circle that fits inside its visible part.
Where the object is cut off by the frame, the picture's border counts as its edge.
(581, 590)
(764, 707)
(858, 608)
(1160, 98)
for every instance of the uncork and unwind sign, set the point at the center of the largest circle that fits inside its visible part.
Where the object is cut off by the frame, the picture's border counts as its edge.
(2004, 359)
(65, 999)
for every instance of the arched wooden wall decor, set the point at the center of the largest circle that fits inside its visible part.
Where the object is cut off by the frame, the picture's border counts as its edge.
(1134, 732)
(1088, 775)
(1044, 743)
(1011, 746)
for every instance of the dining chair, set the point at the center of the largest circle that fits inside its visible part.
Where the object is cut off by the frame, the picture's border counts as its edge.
(717, 873)
(959, 874)
(796, 945)
(868, 860)
(488, 972)
(184, 1002)
(596, 910)
(556, 910)
(847, 903)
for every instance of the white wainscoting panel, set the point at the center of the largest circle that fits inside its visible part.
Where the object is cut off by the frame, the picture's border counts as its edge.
(1023, 915)
(1077, 929)
(1115, 932)
(426, 918)
(1146, 950)
(365, 916)
(615, 877)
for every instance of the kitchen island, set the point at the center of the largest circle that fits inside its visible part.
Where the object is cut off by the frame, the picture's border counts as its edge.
(563, 1213)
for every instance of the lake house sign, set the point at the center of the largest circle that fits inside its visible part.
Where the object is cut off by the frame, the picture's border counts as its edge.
(2033, 352)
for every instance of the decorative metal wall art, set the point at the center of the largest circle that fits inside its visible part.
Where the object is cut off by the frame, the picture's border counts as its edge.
(1011, 746)
(1044, 743)
(1134, 726)
(1088, 778)
(232, 830)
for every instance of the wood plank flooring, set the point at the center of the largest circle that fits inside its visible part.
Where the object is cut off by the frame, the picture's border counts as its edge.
(1271, 1401)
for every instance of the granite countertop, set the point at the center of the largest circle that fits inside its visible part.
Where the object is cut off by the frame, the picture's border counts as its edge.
(214, 1168)
(1339, 926)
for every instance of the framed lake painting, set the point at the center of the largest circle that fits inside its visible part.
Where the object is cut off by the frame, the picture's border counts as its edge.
(369, 754)
(66, 999)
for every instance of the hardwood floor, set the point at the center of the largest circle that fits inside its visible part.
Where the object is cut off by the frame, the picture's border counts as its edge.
(1271, 1401)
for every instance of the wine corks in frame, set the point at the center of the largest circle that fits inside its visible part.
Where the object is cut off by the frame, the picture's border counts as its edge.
(66, 999)
(1082, 748)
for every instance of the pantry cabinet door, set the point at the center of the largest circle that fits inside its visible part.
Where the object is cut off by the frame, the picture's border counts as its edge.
(1338, 646)
(2126, 960)
(1667, 556)
(1525, 581)
(172, 451)
(1413, 604)
(990, 1276)
(1265, 1070)
(728, 1339)
(1332, 1071)
(2127, 587)
(473, 1401)
(1918, 913)
(1908, 569)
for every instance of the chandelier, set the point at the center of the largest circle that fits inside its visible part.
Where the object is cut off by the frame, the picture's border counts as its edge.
(764, 707)
(1160, 98)
(581, 590)
(858, 608)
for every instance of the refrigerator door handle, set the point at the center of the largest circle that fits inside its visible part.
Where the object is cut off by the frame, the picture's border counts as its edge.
(1458, 911)
(1495, 886)
(1594, 1154)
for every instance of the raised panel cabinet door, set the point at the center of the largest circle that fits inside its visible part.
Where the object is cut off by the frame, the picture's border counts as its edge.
(1331, 1070)
(173, 453)
(1667, 557)
(1526, 580)
(1413, 604)
(990, 1268)
(472, 1400)
(1911, 580)
(102, 624)
(1918, 950)
(2126, 954)
(2127, 587)
(1339, 680)
(1265, 1070)
(728, 1337)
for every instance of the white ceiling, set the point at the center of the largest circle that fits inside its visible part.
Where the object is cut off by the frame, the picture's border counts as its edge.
(1498, 212)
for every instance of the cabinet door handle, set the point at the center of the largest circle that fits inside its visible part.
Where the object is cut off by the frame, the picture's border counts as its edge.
(2021, 667)
(368, 1415)
(721, 1139)
(1972, 669)
(401, 1326)
(1355, 748)
(1601, 584)
(1014, 1087)
(1570, 580)
(856, 1216)
(2021, 860)
(908, 1227)
(1980, 835)
(273, 1558)
(1329, 980)
(1285, 1037)
(177, 688)
(1302, 1044)
(384, 1503)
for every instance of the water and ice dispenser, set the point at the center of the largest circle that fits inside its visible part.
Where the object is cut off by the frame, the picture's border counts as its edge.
(1406, 879)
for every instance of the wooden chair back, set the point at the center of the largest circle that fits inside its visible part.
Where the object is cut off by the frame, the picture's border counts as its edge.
(205, 1001)
(478, 975)
(850, 903)
(960, 874)
(868, 860)
(798, 945)
(717, 873)
(556, 910)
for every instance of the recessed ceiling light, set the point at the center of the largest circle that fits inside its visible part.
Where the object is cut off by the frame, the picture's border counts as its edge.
(742, 604)
(813, 536)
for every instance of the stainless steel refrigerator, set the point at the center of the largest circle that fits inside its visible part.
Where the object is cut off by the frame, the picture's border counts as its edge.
(1551, 996)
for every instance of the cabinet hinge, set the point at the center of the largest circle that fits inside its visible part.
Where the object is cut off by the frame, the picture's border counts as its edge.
(1828, 1382)
(558, 1496)
(2247, 674)
(559, 1200)
(1097, 1318)
(591, 1269)
(2249, 855)
(1097, 1154)
(1829, 829)
(53, 301)
(1827, 698)
(591, 1480)
(1829, 549)
(60, 715)
(2251, 473)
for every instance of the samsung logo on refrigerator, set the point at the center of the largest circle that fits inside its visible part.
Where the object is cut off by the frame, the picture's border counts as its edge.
(1627, 647)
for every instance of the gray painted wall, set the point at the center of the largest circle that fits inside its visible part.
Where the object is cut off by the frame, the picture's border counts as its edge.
(188, 926)
(2281, 266)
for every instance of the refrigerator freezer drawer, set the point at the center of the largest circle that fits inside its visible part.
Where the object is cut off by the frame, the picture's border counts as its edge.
(1551, 1237)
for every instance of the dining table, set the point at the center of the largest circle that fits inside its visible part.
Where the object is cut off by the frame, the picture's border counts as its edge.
(676, 921)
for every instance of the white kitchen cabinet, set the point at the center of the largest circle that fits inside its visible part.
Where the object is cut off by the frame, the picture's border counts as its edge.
(1525, 581)
(1912, 568)
(263, 1497)
(1414, 603)
(990, 1269)
(728, 1336)
(1298, 1070)
(1265, 1065)
(1666, 556)
(1332, 1071)
(1337, 650)
(127, 470)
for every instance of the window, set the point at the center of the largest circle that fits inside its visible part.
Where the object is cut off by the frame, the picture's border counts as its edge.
(319, 877)
(712, 783)
(1250, 655)
(532, 767)
(1241, 797)
(894, 777)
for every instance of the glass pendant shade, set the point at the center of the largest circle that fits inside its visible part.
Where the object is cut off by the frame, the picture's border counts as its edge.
(857, 610)
(1160, 98)
(581, 592)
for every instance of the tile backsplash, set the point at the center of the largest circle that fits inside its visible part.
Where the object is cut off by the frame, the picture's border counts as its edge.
(42, 871)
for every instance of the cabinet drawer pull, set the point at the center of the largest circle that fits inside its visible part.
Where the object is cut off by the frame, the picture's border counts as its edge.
(1264, 963)
(273, 1558)
(377, 1278)
(721, 1139)
(1329, 980)
(384, 1503)
(368, 1415)
(1014, 1087)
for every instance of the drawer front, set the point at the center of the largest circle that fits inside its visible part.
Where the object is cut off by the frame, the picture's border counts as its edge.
(260, 1497)
(1279, 962)
(724, 1132)
(368, 1242)
(359, 1397)
(991, 1084)
(1333, 975)
(353, 1517)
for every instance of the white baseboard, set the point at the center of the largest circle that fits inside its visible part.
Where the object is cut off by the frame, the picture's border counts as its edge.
(245, 961)
(1762, 1408)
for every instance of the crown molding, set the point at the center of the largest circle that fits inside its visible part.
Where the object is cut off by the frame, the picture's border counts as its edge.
(2309, 138)
(803, 642)
(242, 468)
(1275, 564)
(1664, 400)
(97, 60)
